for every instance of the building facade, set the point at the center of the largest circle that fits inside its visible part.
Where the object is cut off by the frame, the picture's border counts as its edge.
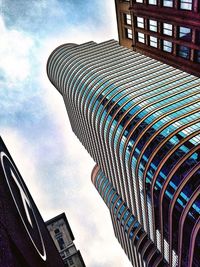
(139, 119)
(167, 30)
(63, 238)
(24, 238)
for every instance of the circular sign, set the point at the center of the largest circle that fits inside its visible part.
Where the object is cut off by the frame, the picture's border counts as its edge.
(23, 204)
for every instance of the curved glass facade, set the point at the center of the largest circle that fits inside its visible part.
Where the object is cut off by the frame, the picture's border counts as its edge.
(139, 119)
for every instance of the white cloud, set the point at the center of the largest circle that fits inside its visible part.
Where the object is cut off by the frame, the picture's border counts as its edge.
(15, 49)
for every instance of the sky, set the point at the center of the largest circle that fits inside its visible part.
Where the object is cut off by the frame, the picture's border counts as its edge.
(34, 123)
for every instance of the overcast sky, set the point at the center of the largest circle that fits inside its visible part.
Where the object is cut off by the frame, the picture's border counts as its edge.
(34, 123)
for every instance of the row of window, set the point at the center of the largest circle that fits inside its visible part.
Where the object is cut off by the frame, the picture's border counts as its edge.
(167, 28)
(184, 33)
(184, 4)
(167, 46)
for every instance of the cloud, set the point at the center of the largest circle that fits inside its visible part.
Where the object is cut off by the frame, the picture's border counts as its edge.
(15, 49)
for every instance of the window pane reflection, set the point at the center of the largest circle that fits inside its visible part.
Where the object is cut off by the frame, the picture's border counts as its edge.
(186, 4)
(184, 51)
(185, 33)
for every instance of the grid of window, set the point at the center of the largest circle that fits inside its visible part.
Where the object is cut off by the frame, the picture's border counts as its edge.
(153, 25)
(129, 34)
(168, 3)
(152, 2)
(184, 51)
(167, 46)
(167, 29)
(128, 19)
(140, 22)
(186, 4)
(153, 41)
(141, 38)
(185, 33)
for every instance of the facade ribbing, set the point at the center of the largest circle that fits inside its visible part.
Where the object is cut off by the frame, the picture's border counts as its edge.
(139, 120)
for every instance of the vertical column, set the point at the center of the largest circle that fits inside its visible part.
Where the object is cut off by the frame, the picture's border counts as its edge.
(196, 6)
(160, 32)
(192, 54)
(175, 35)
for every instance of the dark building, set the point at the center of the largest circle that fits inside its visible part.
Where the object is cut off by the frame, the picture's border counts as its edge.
(139, 119)
(167, 30)
(24, 238)
(63, 238)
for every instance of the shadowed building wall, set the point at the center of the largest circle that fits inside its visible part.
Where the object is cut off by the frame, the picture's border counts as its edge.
(139, 120)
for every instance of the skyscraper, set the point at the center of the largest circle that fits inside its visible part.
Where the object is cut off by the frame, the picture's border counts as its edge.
(63, 238)
(167, 30)
(139, 120)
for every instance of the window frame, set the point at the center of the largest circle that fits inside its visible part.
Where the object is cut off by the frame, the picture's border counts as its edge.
(197, 56)
(129, 35)
(182, 34)
(182, 51)
(165, 30)
(128, 20)
(153, 4)
(139, 37)
(170, 1)
(139, 22)
(164, 45)
(151, 42)
(153, 27)
(189, 2)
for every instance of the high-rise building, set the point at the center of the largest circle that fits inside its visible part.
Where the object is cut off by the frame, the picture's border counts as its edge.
(167, 30)
(63, 238)
(139, 119)
(24, 238)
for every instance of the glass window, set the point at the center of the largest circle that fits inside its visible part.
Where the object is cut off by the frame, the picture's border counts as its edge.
(129, 34)
(167, 29)
(153, 25)
(70, 261)
(168, 3)
(152, 2)
(140, 22)
(128, 19)
(198, 37)
(184, 51)
(153, 41)
(198, 56)
(167, 46)
(141, 37)
(186, 4)
(56, 231)
(67, 252)
(61, 243)
(139, 1)
(185, 33)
